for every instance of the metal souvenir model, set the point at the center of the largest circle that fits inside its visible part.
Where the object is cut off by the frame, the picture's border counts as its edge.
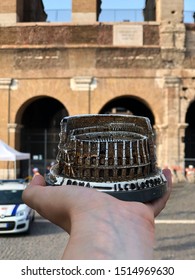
(111, 153)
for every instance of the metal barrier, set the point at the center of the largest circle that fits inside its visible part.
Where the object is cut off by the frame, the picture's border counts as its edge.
(107, 15)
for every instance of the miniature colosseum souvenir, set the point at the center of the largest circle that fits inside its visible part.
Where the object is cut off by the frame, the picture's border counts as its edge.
(114, 154)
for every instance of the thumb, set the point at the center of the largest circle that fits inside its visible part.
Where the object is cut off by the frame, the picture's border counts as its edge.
(37, 180)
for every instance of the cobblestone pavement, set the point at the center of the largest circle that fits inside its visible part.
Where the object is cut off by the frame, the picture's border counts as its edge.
(46, 241)
(175, 233)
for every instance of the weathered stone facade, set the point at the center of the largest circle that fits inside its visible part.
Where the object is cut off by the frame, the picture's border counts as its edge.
(85, 65)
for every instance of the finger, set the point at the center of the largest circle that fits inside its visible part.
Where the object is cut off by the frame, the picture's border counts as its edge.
(56, 203)
(37, 180)
(31, 195)
(159, 204)
(50, 202)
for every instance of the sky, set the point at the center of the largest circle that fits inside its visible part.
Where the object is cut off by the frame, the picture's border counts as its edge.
(106, 4)
(189, 5)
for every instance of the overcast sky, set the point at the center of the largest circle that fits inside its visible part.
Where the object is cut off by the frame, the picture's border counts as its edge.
(112, 4)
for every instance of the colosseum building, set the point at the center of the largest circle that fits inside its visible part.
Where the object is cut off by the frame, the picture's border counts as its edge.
(50, 70)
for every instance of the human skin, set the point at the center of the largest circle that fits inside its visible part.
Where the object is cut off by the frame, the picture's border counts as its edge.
(100, 226)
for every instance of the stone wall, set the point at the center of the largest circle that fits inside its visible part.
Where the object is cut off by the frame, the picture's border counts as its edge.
(152, 62)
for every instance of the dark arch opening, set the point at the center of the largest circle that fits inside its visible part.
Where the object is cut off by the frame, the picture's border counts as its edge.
(128, 105)
(190, 136)
(40, 130)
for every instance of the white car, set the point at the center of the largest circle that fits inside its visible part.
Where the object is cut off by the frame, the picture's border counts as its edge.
(15, 216)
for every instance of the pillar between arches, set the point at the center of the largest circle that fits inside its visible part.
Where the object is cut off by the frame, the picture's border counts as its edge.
(170, 134)
(84, 11)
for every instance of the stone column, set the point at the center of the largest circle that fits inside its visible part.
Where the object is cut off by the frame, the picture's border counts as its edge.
(172, 31)
(84, 11)
(7, 134)
(14, 141)
(14, 132)
(6, 86)
(85, 84)
(8, 12)
(161, 135)
(169, 11)
(173, 128)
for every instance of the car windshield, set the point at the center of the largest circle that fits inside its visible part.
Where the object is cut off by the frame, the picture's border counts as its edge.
(11, 197)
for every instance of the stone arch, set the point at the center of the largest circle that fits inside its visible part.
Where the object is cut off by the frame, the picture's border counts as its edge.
(129, 105)
(39, 120)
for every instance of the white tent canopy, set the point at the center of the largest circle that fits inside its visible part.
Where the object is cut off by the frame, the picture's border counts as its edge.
(7, 153)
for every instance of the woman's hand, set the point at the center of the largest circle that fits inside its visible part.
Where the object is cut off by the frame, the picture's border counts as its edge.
(100, 226)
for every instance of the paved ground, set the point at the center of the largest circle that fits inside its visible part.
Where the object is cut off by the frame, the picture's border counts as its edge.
(175, 233)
